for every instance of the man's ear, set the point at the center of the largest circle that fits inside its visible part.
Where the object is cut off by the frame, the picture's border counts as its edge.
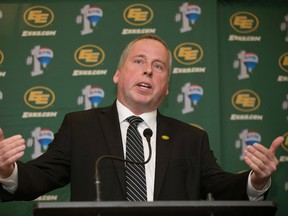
(116, 76)
(167, 91)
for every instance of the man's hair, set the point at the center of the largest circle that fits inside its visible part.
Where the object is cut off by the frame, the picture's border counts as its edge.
(126, 51)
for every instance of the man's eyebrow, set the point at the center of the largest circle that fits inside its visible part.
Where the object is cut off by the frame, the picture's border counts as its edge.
(139, 55)
(154, 60)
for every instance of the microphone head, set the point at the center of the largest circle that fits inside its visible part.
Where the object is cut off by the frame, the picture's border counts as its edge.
(147, 132)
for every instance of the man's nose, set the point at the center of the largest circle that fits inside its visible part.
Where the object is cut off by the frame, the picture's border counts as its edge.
(148, 71)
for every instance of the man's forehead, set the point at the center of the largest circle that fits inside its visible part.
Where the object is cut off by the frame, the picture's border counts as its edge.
(141, 45)
(146, 40)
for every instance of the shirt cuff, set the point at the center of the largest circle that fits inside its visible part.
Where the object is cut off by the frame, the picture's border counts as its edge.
(10, 183)
(254, 194)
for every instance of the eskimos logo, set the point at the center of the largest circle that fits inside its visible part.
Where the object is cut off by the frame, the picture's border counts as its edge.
(1, 57)
(89, 55)
(245, 100)
(39, 97)
(138, 14)
(283, 62)
(244, 22)
(38, 16)
(188, 53)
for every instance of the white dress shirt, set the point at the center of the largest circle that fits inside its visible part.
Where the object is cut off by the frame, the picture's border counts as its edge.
(149, 122)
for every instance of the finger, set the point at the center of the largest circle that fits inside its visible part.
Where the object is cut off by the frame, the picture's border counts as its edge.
(9, 142)
(7, 167)
(262, 153)
(257, 166)
(12, 156)
(253, 157)
(248, 160)
(11, 147)
(275, 144)
(13, 153)
(1, 135)
(258, 151)
(261, 163)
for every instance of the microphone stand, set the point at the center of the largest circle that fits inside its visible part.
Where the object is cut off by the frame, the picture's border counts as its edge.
(210, 198)
(147, 133)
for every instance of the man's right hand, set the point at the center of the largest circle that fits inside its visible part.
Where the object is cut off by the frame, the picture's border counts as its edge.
(11, 149)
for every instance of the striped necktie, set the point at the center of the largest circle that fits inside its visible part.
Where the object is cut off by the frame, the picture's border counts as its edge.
(135, 173)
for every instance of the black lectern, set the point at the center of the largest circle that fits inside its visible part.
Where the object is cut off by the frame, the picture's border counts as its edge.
(156, 208)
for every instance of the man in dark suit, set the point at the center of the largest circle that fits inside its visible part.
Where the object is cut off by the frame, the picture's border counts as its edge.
(182, 166)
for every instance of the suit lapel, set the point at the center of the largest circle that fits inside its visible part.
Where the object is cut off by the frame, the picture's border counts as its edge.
(163, 150)
(111, 127)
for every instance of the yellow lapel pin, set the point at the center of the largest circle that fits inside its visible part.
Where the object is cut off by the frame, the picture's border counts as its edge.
(165, 137)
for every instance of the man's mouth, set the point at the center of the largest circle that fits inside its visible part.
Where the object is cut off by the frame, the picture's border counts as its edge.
(144, 85)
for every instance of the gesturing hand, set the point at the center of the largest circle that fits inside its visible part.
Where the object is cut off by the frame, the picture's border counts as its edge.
(11, 149)
(262, 161)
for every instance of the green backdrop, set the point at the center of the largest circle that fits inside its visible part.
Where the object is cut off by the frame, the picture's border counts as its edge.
(229, 75)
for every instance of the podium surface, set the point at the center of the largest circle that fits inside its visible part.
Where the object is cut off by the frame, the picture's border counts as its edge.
(156, 208)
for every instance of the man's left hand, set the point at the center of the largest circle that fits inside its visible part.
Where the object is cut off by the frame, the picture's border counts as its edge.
(262, 161)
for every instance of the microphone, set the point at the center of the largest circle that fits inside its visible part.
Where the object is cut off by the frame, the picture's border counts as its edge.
(147, 134)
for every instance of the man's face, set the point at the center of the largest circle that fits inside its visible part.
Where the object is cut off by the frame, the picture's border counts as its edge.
(143, 79)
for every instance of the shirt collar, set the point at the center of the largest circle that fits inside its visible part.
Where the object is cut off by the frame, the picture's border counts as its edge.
(123, 112)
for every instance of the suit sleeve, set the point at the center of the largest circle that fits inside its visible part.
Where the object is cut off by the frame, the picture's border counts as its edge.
(47, 172)
(223, 185)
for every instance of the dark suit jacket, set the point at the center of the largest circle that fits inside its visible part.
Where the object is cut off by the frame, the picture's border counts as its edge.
(185, 166)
